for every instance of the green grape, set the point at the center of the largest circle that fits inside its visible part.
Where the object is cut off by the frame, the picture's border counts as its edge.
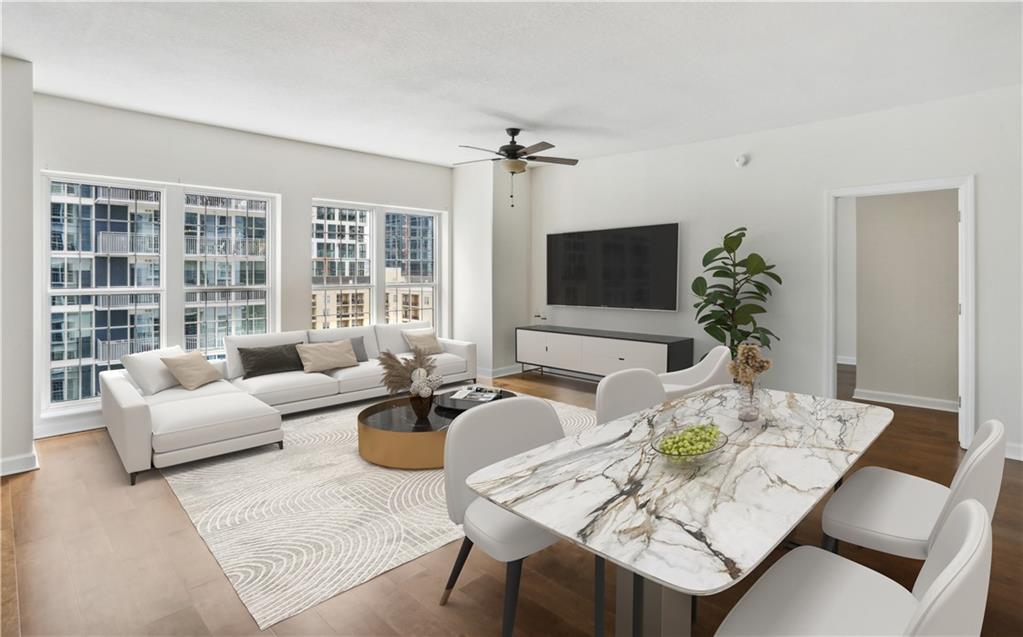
(691, 441)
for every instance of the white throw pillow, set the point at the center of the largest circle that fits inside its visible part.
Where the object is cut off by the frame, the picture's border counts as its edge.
(425, 340)
(149, 372)
(320, 357)
(192, 370)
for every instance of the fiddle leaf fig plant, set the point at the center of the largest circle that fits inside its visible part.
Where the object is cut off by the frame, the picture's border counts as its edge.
(733, 291)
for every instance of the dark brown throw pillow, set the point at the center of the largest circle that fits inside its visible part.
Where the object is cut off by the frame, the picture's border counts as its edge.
(259, 361)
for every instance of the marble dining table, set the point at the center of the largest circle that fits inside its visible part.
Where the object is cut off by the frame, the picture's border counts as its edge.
(687, 529)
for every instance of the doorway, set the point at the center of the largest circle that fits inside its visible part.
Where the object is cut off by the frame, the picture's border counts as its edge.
(900, 296)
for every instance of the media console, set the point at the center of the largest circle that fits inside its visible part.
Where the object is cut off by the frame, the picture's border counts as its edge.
(600, 352)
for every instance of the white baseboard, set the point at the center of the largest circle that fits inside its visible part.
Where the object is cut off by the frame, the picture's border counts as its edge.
(500, 371)
(924, 402)
(1014, 450)
(845, 360)
(19, 463)
(56, 423)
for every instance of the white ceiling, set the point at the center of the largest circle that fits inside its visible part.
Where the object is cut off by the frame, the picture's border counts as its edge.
(415, 80)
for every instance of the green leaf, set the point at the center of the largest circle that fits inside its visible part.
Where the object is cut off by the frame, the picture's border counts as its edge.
(716, 333)
(773, 276)
(755, 263)
(732, 242)
(711, 256)
(699, 286)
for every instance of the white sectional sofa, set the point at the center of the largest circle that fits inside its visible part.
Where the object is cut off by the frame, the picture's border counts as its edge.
(177, 425)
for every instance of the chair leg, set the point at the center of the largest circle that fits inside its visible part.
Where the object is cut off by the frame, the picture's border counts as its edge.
(598, 596)
(511, 597)
(280, 444)
(132, 477)
(829, 543)
(456, 570)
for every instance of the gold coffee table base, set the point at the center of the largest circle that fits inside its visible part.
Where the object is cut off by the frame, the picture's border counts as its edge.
(390, 437)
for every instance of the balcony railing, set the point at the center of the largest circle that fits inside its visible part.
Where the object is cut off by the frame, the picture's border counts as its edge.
(107, 301)
(114, 350)
(127, 243)
(225, 246)
(226, 296)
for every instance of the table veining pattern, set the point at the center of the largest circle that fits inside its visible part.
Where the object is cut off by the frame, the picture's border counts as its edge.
(701, 528)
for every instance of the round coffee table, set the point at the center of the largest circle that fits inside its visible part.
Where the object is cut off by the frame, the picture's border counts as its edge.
(390, 434)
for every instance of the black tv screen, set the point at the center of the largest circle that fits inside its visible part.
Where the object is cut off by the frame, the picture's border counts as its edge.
(622, 267)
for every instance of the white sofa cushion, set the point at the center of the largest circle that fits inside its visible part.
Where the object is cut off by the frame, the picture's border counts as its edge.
(215, 388)
(369, 337)
(149, 372)
(232, 343)
(391, 339)
(200, 421)
(366, 376)
(447, 364)
(288, 387)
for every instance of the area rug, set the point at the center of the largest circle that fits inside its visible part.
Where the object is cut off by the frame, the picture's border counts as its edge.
(292, 528)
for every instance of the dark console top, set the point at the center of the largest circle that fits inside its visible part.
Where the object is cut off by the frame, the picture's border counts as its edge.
(622, 336)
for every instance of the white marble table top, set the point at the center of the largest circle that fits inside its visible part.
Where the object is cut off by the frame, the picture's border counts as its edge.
(696, 529)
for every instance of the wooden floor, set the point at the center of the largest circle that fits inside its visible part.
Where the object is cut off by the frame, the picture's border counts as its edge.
(94, 556)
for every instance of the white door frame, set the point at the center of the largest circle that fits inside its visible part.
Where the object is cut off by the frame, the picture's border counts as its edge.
(967, 324)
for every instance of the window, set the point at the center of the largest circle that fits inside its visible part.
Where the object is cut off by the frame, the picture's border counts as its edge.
(105, 287)
(345, 274)
(410, 256)
(342, 237)
(225, 268)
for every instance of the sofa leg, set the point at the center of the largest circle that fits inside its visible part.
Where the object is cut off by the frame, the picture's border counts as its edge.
(132, 477)
(281, 444)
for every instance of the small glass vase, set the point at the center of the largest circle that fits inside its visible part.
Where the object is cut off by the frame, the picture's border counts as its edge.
(421, 406)
(749, 403)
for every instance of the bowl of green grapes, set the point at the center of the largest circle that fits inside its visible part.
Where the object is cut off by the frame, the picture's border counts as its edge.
(691, 444)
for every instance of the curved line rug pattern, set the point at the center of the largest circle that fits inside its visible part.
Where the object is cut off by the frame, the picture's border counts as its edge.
(293, 528)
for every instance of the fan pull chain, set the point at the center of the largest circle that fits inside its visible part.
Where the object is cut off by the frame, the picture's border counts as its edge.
(511, 187)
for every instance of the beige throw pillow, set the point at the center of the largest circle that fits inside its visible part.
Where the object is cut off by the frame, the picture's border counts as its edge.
(320, 357)
(424, 340)
(192, 370)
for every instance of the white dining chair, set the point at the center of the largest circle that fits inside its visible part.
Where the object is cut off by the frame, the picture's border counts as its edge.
(810, 591)
(475, 439)
(626, 392)
(712, 370)
(898, 513)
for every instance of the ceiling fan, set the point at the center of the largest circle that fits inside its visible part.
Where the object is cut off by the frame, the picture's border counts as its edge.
(514, 157)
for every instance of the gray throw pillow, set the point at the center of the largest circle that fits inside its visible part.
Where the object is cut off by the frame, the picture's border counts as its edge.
(360, 349)
(259, 361)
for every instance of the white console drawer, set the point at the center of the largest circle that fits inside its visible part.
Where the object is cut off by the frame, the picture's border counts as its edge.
(563, 350)
(531, 347)
(603, 356)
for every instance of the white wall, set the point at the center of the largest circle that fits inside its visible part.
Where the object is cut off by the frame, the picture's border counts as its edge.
(473, 259)
(511, 266)
(907, 288)
(80, 137)
(17, 410)
(780, 195)
(491, 262)
(845, 283)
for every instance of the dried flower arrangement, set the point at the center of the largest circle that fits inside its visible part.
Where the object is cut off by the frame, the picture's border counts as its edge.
(415, 374)
(749, 363)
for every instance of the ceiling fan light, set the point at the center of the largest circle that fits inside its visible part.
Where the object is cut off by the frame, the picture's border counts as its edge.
(514, 166)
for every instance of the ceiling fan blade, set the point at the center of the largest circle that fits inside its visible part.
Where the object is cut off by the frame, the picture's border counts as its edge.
(554, 160)
(473, 161)
(486, 150)
(535, 148)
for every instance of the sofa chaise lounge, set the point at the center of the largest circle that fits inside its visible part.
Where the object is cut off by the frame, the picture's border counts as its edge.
(178, 425)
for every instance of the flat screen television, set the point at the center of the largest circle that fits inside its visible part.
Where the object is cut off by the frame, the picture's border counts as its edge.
(634, 268)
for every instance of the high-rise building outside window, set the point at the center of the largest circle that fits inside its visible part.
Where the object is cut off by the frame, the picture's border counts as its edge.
(105, 286)
(225, 269)
(410, 257)
(342, 240)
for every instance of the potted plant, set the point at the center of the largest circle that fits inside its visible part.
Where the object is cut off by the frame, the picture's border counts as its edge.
(734, 295)
(414, 375)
